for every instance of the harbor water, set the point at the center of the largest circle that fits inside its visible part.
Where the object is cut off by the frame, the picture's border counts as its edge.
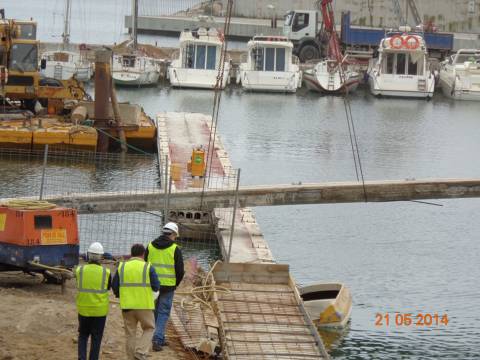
(406, 257)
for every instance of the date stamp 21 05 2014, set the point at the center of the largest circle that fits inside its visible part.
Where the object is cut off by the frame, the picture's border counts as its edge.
(411, 319)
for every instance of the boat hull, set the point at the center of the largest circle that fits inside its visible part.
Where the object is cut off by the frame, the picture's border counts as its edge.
(128, 78)
(378, 88)
(196, 78)
(312, 83)
(269, 81)
(329, 305)
(449, 90)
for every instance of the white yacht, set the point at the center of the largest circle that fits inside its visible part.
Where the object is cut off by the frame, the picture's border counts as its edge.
(401, 68)
(328, 77)
(270, 66)
(135, 69)
(197, 63)
(63, 65)
(460, 75)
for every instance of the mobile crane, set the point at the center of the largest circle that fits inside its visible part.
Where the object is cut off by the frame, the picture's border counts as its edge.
(19, 61)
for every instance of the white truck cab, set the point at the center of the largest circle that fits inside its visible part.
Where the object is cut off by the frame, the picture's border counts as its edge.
(302, 28)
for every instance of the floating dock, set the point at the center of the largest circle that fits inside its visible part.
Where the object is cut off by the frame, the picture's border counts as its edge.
(261, 315)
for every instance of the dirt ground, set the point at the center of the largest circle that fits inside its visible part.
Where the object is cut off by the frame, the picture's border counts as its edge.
(38, 322)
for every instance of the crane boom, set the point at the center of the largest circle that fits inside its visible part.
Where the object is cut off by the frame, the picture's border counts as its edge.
(334, 50)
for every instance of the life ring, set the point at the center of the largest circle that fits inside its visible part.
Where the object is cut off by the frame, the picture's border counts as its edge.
(412, 45)
(394, 42)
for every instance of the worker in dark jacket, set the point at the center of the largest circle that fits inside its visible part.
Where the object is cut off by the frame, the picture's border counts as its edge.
(93, 283)
(166, 257)
(137, 293)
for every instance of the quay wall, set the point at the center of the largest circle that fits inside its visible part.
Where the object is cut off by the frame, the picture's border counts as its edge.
(447, 15)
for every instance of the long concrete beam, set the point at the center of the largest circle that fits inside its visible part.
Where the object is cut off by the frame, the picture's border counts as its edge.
(274, 195)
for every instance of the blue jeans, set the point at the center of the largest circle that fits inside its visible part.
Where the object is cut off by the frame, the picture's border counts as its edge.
(90, 327)
(162, 312)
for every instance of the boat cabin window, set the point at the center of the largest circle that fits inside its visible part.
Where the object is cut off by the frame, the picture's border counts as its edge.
(23, 57)
(128, 61)
(268, 59)
(60, 56)
(300, 21)
(42, 221)
(402, 64)
(200, 57)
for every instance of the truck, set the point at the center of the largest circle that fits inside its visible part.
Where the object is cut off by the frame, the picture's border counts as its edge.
(304, 29)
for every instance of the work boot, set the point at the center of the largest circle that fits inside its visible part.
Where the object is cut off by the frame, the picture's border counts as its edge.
(156, 347)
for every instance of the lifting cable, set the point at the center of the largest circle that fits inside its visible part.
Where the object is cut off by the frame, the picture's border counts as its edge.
(216, 99)
(350, 123)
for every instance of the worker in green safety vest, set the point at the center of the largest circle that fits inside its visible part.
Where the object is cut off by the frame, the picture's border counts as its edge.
(166, 257)
(136, 284)
(93, 283)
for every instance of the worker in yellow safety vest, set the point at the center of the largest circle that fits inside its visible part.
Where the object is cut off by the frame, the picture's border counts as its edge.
(93, 283)
(166, 257)
(137, 285)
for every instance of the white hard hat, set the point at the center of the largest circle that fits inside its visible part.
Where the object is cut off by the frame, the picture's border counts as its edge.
(96, 248)
(171, 226)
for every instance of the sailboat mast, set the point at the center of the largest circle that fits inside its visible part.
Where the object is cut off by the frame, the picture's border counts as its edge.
(66, 28)
(134, 22)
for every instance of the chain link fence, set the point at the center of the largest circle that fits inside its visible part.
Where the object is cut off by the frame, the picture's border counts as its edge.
(29, 174)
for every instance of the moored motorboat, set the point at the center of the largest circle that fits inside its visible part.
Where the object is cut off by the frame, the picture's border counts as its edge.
(401, 69)
(329, 305)
(198, 63)
(270, 66)
(460, 75)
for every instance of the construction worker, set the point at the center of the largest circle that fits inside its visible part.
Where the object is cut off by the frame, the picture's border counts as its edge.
(166, 257)
(93, 283)
(137, 285)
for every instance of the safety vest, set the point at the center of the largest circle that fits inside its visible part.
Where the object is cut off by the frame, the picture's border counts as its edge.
(135, 289)
(92, 295)
(163, 260)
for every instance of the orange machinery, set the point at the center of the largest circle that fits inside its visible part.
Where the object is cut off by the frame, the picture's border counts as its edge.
(47, 236)
(197, 166)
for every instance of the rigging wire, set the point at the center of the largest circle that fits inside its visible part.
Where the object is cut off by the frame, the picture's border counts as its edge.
(216, 100)
(349, 115)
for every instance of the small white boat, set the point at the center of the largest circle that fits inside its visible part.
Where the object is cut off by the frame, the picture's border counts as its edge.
(63, 65)
(401, 69)
(460, 75)
(329, 305)
(135, 69)
(270, 66)
(327, 77)
(197, 63)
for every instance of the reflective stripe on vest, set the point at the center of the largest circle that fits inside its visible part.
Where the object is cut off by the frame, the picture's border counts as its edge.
(92, 283)
(163, 260)
(135, 288)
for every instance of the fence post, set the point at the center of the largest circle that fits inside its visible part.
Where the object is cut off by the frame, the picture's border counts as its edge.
(45, 157)
(233, 216)
(165, 184)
